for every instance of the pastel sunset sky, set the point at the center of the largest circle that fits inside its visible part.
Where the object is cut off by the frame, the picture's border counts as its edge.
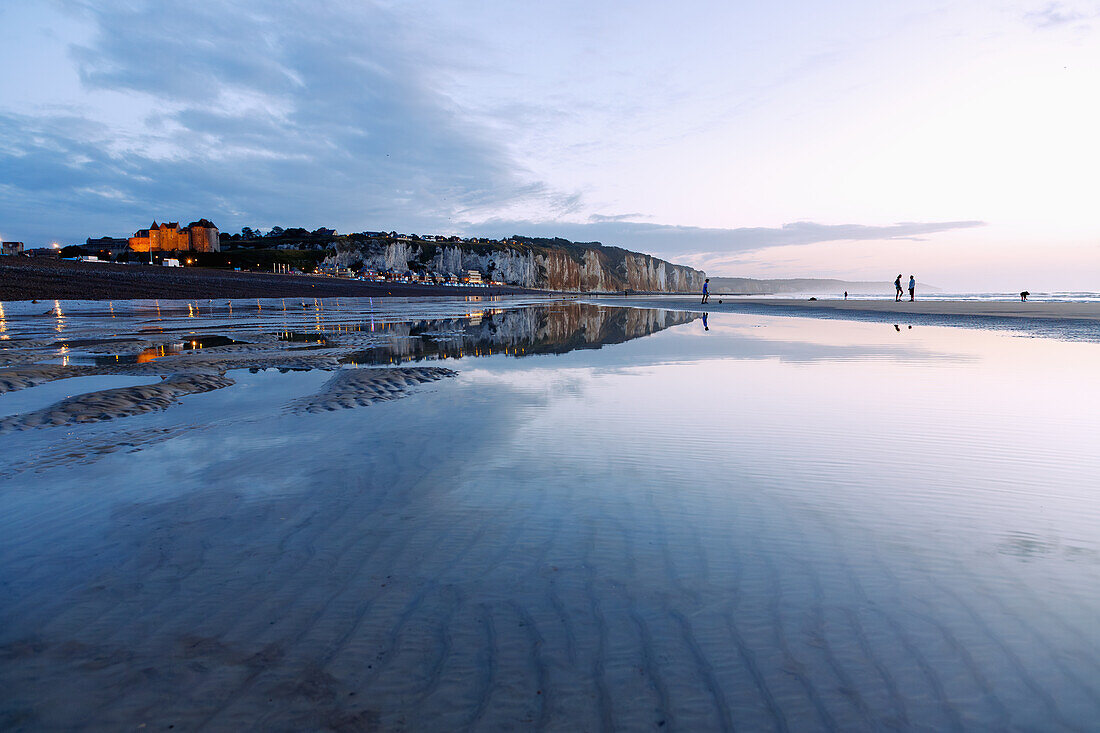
(858, 139)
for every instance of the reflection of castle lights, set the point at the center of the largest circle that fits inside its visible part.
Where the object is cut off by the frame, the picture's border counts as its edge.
(59, 315)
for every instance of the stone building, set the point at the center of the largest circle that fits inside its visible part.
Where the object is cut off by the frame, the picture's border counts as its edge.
(198, 236)
(11, 248)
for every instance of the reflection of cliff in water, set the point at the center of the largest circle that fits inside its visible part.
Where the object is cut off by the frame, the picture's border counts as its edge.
(521, 332)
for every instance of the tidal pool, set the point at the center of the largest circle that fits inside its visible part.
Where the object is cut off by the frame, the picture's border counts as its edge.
(578, 518)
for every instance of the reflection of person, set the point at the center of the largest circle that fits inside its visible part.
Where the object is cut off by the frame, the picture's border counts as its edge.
(706, 290)
(705, 326)
(897, 288)
(1023, 295)
(897, 328)
(912, 288)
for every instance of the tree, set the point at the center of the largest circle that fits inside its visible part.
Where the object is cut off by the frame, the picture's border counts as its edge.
(275, 232)
(249, 233)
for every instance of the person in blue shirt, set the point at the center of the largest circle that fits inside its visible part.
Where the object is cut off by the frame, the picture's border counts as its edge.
(706, 290)
(912, 288)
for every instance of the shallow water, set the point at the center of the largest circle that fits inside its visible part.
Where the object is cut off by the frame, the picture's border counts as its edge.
(761, 523)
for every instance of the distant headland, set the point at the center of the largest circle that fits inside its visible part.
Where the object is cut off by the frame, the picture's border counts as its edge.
(393, 257)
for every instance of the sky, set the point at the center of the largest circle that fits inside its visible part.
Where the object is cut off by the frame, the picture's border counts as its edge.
(957, 141)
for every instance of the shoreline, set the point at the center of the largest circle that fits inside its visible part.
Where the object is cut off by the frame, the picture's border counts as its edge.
(1063, 321)
(1014, 310)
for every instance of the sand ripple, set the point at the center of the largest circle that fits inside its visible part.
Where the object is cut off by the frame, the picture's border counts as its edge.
(22, 377)
(109, 404)
(360, 387)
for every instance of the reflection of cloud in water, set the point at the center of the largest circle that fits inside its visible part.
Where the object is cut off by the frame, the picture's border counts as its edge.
(695, 344)
(768, 540)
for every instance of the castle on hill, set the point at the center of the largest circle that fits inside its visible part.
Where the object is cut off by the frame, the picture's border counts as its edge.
(198, 236)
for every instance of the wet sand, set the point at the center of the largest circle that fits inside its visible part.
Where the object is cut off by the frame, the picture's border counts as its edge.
(968, 309)
(1071, 321)
(674, 539)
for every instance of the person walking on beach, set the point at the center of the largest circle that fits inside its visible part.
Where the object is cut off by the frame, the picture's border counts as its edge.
(912, 288)
(706, 290)
(846, 295)
(897, 289)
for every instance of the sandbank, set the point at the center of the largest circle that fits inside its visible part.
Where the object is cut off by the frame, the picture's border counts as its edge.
(986, 309)
(1064, 320)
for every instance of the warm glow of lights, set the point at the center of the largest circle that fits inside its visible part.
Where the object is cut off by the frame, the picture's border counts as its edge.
(60, 325)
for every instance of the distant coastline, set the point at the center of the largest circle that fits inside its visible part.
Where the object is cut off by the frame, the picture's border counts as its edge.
(791, 286)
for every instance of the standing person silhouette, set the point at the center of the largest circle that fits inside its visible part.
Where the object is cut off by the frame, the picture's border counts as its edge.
(846, 295)
(912, 288)
(897, 288)
(706, 290)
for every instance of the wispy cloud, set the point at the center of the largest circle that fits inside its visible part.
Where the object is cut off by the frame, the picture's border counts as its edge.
(601, 218)
(1056, 14)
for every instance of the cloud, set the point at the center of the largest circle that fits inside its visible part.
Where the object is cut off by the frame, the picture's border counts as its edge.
(326, 112)
(703, 244)
(1055, 14)
(314, 114)
(601, 218)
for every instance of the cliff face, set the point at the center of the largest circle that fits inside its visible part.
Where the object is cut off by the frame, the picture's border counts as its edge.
(544, 264)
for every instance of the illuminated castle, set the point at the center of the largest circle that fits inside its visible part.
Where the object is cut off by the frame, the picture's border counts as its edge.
(198, 236)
